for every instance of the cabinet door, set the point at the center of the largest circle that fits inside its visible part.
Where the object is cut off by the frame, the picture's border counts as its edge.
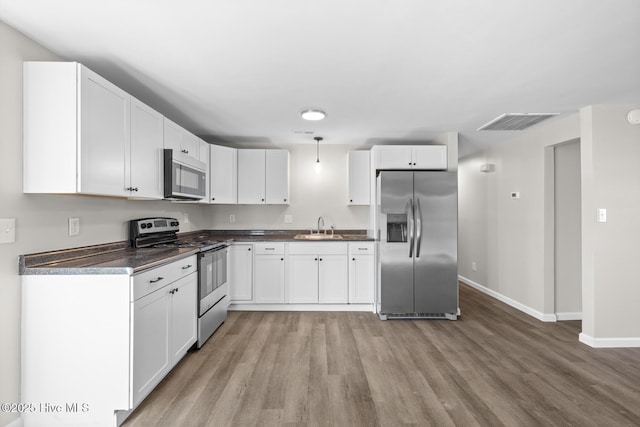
(151, 332)
(203, 156)
(359, 178)
(146, 151)
(432, 157)
(333, 279)
(172, 135)
(104, 118)
(240, 272)
(190, 144)
(269, 279)
(303, 279)
(251, 177)
(393, 157)
(223, 174)
(184, 297)
(277, 177)
(361, 282)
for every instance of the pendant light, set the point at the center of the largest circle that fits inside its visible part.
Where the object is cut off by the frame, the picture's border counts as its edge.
(317, 164)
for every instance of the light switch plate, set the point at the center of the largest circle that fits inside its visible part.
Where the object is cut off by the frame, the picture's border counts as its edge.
(7, 230)
(602, 215)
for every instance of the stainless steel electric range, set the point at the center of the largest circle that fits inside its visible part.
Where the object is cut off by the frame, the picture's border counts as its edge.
(213, 289)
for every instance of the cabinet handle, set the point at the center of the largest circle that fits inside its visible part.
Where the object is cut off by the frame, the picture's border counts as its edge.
(128, 188)
(185, 151)
(414, 164)
(171, 291)
(187, 266)
(262, 200)
(213, 198)
(320, 259)
(409, 163)
(135, 188)
(177, 289)
(315, 259)
(248, 249)
(281, 259)
(353, 259)
(269, 249)
(157, 280)
(351, 200)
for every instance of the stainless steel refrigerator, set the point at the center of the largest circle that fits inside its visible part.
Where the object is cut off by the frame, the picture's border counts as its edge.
(417, 222)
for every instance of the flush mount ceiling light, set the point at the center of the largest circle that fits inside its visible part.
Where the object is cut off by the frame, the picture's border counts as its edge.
(313, 114)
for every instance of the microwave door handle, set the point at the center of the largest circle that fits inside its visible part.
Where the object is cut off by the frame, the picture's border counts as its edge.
(418, 227)
(410, 223)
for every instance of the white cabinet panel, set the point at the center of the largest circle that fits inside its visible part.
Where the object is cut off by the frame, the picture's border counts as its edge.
(184, 297)
(269, 278)
(146, 151)
(223, 175)
(423, 157)
(303, 279)
(361, 279)
(263, 177)
(151, 326)
(240, 272)
(251, 177)
(432, 157)
(332, 279)
(359, 177)
(277, 177)
(178, 138)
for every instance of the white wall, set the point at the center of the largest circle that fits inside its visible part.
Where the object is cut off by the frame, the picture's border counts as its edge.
(41, 220)
(312, 195)
(610, 150)
(504, 236)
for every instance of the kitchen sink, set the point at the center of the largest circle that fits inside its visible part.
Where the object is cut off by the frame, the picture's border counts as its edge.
(318, 236)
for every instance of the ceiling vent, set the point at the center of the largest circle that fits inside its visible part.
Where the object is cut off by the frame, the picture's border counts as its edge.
(516, 121)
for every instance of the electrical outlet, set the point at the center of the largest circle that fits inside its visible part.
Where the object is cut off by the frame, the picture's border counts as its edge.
(232, 218)
(515, 194)
(288, 219)
(7, 230)
(74, 226)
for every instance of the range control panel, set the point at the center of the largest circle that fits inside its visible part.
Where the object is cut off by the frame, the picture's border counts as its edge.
(154, 225)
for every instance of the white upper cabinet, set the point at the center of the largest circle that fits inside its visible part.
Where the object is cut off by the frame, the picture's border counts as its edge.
(277, 177)
(359, 177)
(76, 131)
(263, 177)
(204, 157)
(178, 138)
(251, 177)
(146, 151)
(223, 175)
(423, 157)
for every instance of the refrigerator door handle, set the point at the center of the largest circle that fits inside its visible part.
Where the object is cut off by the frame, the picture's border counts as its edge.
(418, 220)
(410, 221)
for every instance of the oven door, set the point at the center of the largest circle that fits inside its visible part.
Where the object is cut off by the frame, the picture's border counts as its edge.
(212, 278)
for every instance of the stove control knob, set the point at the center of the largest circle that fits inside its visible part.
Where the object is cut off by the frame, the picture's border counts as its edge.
(174, 223)
(143, 225)
(149, 225)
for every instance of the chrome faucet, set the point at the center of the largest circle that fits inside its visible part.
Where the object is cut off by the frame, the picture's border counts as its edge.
(320, 219)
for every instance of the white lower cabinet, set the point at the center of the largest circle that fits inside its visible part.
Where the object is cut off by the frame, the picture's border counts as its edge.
(318, 273)
(164, 323)
(361, 273)
(240, 272)
(269, 267)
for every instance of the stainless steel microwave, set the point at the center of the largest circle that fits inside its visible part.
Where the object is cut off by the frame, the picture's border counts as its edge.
(185, 178)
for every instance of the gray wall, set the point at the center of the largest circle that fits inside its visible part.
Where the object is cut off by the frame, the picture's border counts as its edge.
(568, 244)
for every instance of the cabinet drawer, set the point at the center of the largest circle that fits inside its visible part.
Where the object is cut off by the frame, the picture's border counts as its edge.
(363, 248)
(156, 278)
(316, 248)
(269, 248)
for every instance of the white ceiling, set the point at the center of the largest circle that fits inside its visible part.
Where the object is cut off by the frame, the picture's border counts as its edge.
(400, 71)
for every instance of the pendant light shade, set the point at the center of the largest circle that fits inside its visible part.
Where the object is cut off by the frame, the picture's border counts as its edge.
(317, 166)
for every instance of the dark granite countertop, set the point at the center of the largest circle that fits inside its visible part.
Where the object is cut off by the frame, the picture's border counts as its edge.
(120, 258)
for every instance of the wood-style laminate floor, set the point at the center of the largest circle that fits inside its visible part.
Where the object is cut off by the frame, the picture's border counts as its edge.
(493, 366)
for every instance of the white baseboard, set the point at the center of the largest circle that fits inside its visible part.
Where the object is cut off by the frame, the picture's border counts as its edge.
(15, 423)
(608, 342)
(569, 316)
(300, 307)
(513, 303)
